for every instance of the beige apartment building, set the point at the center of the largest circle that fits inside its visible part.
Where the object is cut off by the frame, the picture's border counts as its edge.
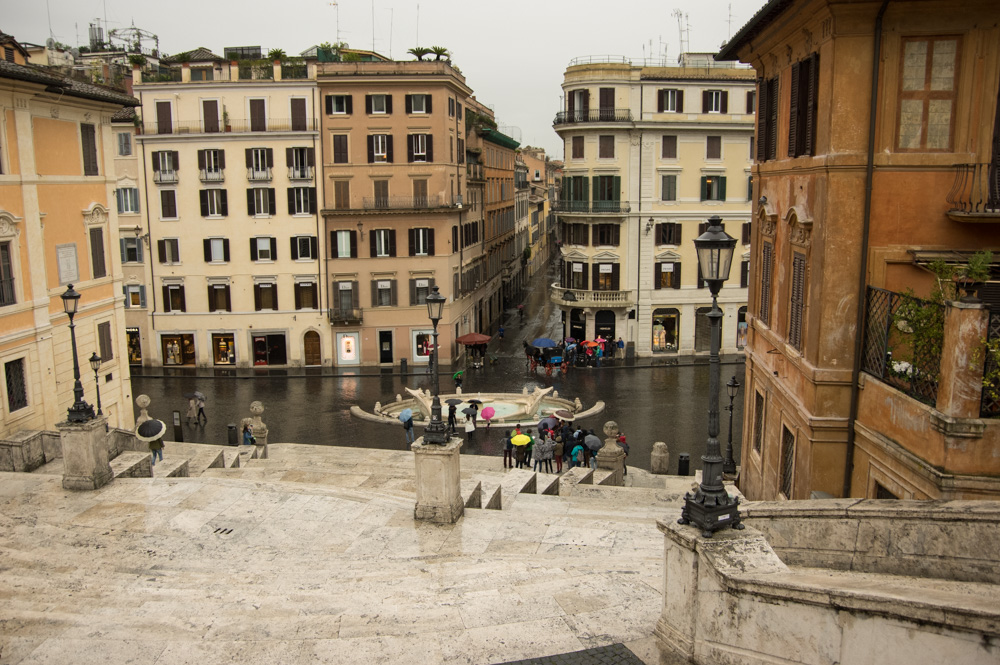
(541, 192)
(227, 156)
(57, 227)
(650, 154)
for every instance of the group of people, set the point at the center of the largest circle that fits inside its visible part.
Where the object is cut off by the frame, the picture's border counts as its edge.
(560, 443)
(196, 411)
(569, 353)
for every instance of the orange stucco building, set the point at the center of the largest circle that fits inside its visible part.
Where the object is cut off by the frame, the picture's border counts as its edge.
(876, 152)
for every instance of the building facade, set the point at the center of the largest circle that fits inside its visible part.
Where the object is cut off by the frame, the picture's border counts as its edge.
(650, 153)
(58, 226)
(877, 150)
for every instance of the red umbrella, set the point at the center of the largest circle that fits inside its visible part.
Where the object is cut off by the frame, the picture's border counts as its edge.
(473, 338)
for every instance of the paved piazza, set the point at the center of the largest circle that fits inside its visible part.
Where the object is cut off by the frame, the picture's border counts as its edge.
(313, 556)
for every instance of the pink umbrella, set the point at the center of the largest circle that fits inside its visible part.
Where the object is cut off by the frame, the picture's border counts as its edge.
(488, 413)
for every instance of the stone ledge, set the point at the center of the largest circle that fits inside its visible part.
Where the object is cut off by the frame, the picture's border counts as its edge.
(965, 428)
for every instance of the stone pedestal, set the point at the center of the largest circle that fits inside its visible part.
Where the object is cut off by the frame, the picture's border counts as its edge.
(659, 460)
(85, 454)
(612, 456)
(439, 497)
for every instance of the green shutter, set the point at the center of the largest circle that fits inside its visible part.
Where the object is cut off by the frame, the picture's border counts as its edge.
(722, 188)
(618, 188)
(704, 188)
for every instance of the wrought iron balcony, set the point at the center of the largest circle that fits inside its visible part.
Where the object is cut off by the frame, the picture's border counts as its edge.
(259, 175)
(593, 115)
(561, 295)
(343, 316)
(7, 295)
(212, 176)
(403, 202)
(300, 172)
(593, 207)
(975, 194)
(162, 177)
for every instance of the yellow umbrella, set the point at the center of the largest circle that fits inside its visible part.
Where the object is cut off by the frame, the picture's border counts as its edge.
(521, 440)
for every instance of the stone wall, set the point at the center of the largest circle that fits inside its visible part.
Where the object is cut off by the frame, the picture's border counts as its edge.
(732, 599)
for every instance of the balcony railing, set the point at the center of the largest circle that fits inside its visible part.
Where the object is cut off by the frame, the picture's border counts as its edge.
(162, 177)
(975, 192)
(584, 298)
(261, 71)
(475, 172)
(211, 176)
(237, 126)
(403, 202)
(7, 296)
(593, 115)
(593, 207)
(294, 72)
(300, 172)
(259, 175)
(345, 316)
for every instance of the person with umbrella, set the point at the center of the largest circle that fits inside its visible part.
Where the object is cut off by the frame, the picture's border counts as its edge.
(520, 443)
(452, 419)
(475, 409)
(192, 412)
(151, 432)
(406, 417)
(591, 444)
(470, 425)
(488, 414)
(201, 408)
(457, 376)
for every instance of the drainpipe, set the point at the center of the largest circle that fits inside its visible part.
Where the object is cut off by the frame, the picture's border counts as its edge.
(320, 230)
(638, 228)
(863, 271)
(149, 236)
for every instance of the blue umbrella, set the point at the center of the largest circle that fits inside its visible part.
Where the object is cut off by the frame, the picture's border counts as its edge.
(570, 347)
(405, 415)
(544, 343)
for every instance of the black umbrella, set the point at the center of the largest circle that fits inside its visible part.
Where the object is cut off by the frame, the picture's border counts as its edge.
(592, 442)
(474, 401)
(453, 400)
(197, 394)
(150, 430)
(468, 411)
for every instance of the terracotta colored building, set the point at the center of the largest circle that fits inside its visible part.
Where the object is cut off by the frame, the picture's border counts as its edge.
(877, 152)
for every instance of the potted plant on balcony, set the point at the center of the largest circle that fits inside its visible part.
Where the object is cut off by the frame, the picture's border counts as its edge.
(419, 52)
(225, 120)
(971, 277)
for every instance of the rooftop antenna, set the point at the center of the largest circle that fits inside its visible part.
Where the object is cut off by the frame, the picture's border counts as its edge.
(373, 26)
(391, 13)
(48, 11)
(730, 20)
(418, 24)
(683, 28)
(334, 4)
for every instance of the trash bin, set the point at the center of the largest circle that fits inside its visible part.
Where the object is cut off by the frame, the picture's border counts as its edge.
(402, 365)
(684, 464)
(233, 435)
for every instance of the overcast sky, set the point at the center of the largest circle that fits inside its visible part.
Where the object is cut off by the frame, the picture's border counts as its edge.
(513, 54)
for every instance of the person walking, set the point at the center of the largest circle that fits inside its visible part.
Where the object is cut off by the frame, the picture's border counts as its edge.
(548, 454)
(248, 437)
(470, 429)
(408, 429)
(452, 419)
(576, 456)
(557, 452)
(500, 332)
(591, 444)
(624, 446)
(621, 347)
(508, 451)
(192, 412)
(202, 418)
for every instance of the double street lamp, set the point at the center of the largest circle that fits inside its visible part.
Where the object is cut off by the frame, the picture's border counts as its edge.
(710, 507)
(95, 364)
(435, 432)
(80, 412)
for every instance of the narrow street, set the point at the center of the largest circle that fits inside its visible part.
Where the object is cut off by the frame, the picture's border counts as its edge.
(649, 403)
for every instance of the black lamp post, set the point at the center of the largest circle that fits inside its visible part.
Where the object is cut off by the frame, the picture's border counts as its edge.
(732, 389)
(80, 412)
(711, 508)
(95, 364)
(435, 431)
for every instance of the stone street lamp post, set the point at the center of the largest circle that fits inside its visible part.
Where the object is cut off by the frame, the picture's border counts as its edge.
(80, 412)
(710, 507)
(95, 364)
(732, 389)
(435, 431)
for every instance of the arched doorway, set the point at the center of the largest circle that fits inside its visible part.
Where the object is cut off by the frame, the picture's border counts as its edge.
(666, 323)
(577, 324)
(604, 324)
(311, 350)
(702, 330)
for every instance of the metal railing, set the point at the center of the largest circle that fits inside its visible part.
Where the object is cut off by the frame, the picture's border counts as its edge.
(259, 175)
(294, 72)
(562, 295)
(341, 316)
(238, 126)
(595, 207)
(162, 176)
(402, 202)
(256, 72)
(976, 190)
(7, 295)
(593, 115)
(889, 352)
(211, 176)
(300, 172)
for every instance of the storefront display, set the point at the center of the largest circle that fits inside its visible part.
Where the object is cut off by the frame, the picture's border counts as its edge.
(224, 349)
(177, 349)
(134, 342)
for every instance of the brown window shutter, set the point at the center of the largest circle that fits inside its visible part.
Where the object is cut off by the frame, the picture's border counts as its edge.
(706, 99)
(676, 276)
(371, 243)
(288, 156)
(210, 110)
(371, 148)
(256, 297)
(388, 148)
(350, 104)
(203, 197)
(772, 134)
(680, 101)
(225, 251)
(354, 244)
(750, 101)
(660, 100)
(251, 208)
(430, 242)
(166, 298)
(156, 162)
(392, 242)
(793, 111)
(368, 104)
(271, 202)
(762, 125)
(412, 238)
(270, 158)
(211, 296)
(222, 158)
(249, 154)
(310, 156)
(201, 160)
(253, 249)
(430, 147)
(812, 83)
(224, 200)
(298, 115)
(724, 108)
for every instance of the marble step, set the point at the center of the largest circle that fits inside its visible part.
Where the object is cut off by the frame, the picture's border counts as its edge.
(132, 464)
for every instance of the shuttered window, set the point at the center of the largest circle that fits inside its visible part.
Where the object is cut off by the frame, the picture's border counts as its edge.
(97, 262)
(767, 119)
(787, 461)
(218, 298)
(669, 150)
(340, 149)
(667, 275)
(766, 267)
(577, 147)
(802, 107)
(797, 301)
(88, 139)
(107, 348)
(758, 421)
(668, 233)
(343, 244)
(668, 188)
(713, 147)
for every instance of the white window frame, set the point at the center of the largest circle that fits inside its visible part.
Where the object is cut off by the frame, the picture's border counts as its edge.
(343, 244)
(300, 201)
(128, 200)
(137, 292)
(421, 241)
(264, 249)
(386, 291)
(663, 189)
(380, 149)
(715, 101)
(300, 162)
(304, 246)
(420, 147)
(339, 105)
(379, 99)
(423, 103)
(166, 159)
(261, 202)
(258, 163)
(217, 250)
(213, 162)
(124, 144)
(172, 251)
(381, 242)
(214, 201)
